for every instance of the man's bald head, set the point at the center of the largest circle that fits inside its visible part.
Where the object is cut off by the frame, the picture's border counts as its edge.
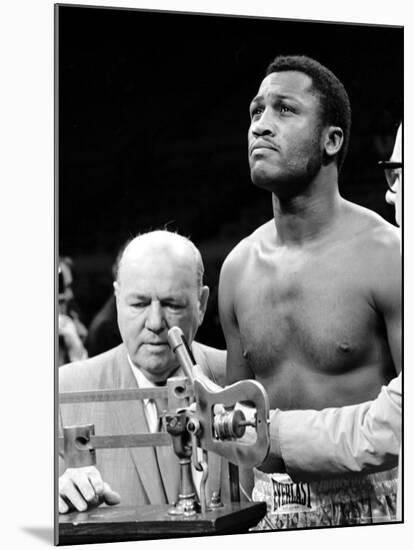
(165, 243)
(158, 286)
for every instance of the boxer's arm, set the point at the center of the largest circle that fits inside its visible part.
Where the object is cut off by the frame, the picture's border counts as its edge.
(387, 292)
(236, 367)
(360, 438)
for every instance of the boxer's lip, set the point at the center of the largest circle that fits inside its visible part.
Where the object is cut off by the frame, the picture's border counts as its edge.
(262, 144)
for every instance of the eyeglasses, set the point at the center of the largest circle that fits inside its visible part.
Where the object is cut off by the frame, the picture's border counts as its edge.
(392, 172)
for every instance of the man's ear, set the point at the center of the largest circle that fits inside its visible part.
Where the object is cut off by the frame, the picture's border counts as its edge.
(333, 140)
(205, 292)
(116, 289)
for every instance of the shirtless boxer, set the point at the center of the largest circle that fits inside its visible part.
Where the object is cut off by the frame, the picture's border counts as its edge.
(310, 303)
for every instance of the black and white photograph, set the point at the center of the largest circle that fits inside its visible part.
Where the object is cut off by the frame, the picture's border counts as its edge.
(229, 317)
(222, 332)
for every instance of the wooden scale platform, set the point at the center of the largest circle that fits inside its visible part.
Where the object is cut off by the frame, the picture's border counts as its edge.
(120, 523)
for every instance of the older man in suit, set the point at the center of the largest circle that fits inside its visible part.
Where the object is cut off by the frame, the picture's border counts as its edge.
(159, 284)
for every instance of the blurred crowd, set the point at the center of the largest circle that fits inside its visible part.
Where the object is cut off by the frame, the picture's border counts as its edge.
(77, 342)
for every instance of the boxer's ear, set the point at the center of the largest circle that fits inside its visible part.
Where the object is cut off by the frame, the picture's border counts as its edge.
(333, 140)
(203, 300)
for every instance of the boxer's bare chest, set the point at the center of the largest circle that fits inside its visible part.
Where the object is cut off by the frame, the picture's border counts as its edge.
(305, 310)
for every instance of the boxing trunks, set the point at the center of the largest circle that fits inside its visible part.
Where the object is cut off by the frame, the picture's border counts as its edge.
(341, 501)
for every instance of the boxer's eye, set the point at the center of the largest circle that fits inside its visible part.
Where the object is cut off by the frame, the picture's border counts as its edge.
(285, 108)
(256, 111)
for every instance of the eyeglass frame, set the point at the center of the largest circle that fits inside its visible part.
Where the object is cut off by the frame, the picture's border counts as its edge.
(390, 166)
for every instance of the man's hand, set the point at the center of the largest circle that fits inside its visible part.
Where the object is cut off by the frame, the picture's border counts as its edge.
(83, 488)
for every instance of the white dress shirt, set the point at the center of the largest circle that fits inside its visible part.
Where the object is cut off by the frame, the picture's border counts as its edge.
(150, 408)
(151, 414)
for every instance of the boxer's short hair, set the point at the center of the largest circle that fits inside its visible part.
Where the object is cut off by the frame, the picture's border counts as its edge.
(334, 100)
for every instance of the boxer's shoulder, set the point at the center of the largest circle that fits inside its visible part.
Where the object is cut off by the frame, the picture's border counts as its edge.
(246, 246)
(371, 222)
(369, 231)
(375, 247)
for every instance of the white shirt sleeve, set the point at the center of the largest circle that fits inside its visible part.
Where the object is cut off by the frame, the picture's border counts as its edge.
(357, 438)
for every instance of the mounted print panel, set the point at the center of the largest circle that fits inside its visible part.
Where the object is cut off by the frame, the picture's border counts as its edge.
(228, 347)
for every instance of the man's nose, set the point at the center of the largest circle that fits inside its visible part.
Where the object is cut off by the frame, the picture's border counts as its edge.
(155, 320)
(390, 197)
(263, 125)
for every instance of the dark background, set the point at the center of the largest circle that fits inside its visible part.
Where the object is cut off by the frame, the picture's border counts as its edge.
(153, 119)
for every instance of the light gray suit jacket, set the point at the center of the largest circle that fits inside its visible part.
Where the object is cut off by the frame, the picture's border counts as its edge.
(144, 475)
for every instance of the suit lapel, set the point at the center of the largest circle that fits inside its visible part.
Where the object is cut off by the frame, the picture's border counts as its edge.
(169, 470)
(132, 420)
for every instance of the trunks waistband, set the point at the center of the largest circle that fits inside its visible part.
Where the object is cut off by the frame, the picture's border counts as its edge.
(388, 478)
(283, 495)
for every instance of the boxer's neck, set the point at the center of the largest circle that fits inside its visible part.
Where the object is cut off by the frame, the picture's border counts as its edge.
(308, 216)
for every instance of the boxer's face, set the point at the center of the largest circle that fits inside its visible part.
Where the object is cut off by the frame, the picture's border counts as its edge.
(394, 195)
(155, 292)
(285, 136)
